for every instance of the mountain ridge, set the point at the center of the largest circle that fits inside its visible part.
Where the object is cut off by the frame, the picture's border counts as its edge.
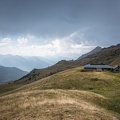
(104, 56)
(60, 86)
(95, 50)
(10, 73)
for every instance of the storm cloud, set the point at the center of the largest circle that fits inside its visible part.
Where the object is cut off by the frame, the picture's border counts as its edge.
(47, 20)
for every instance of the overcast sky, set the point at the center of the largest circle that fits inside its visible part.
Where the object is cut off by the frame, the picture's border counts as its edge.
(66, 28)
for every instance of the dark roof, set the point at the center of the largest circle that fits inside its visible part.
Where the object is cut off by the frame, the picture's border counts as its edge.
(116, 67)
(97, 66)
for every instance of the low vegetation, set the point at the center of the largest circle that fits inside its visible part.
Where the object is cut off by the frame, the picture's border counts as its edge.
(116, 62)
(67, 95)
(53, 104)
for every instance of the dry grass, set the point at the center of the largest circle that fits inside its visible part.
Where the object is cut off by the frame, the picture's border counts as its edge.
(52, 105)
(68, 95)
(116, 62)
(74, 79)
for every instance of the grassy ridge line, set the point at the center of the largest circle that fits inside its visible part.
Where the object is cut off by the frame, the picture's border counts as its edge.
(53, 104)
(106, 56)
(11, 88)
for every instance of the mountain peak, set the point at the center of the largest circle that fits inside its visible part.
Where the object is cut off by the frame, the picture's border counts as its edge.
(98, 47)
(95, 50)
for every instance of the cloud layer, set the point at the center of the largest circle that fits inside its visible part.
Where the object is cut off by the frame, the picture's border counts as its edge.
(57, 27)
(72, 46)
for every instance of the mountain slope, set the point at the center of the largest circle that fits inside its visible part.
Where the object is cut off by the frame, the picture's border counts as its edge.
(10, 73)
(52, 105)
(36, 74)
(69, 95)
(116, 62)
(106, 56)
(95, 50)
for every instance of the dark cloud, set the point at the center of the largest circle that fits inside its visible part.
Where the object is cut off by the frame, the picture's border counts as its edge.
(62, 17)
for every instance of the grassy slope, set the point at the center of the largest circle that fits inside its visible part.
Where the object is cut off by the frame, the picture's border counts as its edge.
(53, 105)
(106, 56)
(71, 94)
(36, 74)
(110, 55)
(116, 62)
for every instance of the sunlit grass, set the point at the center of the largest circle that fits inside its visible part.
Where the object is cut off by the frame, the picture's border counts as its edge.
(71, 94)
(52, 104)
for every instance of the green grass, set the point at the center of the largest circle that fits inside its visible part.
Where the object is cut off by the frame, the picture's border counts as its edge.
(116, 62)
(100, 89)
(53, 105)
(104, 83)
(8, 87)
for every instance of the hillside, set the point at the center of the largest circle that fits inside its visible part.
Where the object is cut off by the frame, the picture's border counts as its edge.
(69, 95)
(36, 74)
(95, 50)
(10, 73)
(106, 56)
(116, 62)
(64, 93)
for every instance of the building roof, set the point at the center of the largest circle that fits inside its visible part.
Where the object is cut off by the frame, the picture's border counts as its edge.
(97, 66)
(116, 66)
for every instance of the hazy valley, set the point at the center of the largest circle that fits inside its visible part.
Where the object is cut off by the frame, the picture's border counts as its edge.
(25, 63)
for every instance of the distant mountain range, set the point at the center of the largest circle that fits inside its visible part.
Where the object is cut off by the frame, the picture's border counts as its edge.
(95, 50)
(25, 63)
(79, 84)
(65, 91)
(10, 73)
(110, 55)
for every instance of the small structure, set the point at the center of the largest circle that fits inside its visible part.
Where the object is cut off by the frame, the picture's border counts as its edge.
(116, 68)
(97, 67)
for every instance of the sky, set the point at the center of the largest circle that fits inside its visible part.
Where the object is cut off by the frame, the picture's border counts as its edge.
(66, 28)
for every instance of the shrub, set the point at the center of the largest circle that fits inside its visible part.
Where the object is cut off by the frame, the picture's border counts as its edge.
(94, 79)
